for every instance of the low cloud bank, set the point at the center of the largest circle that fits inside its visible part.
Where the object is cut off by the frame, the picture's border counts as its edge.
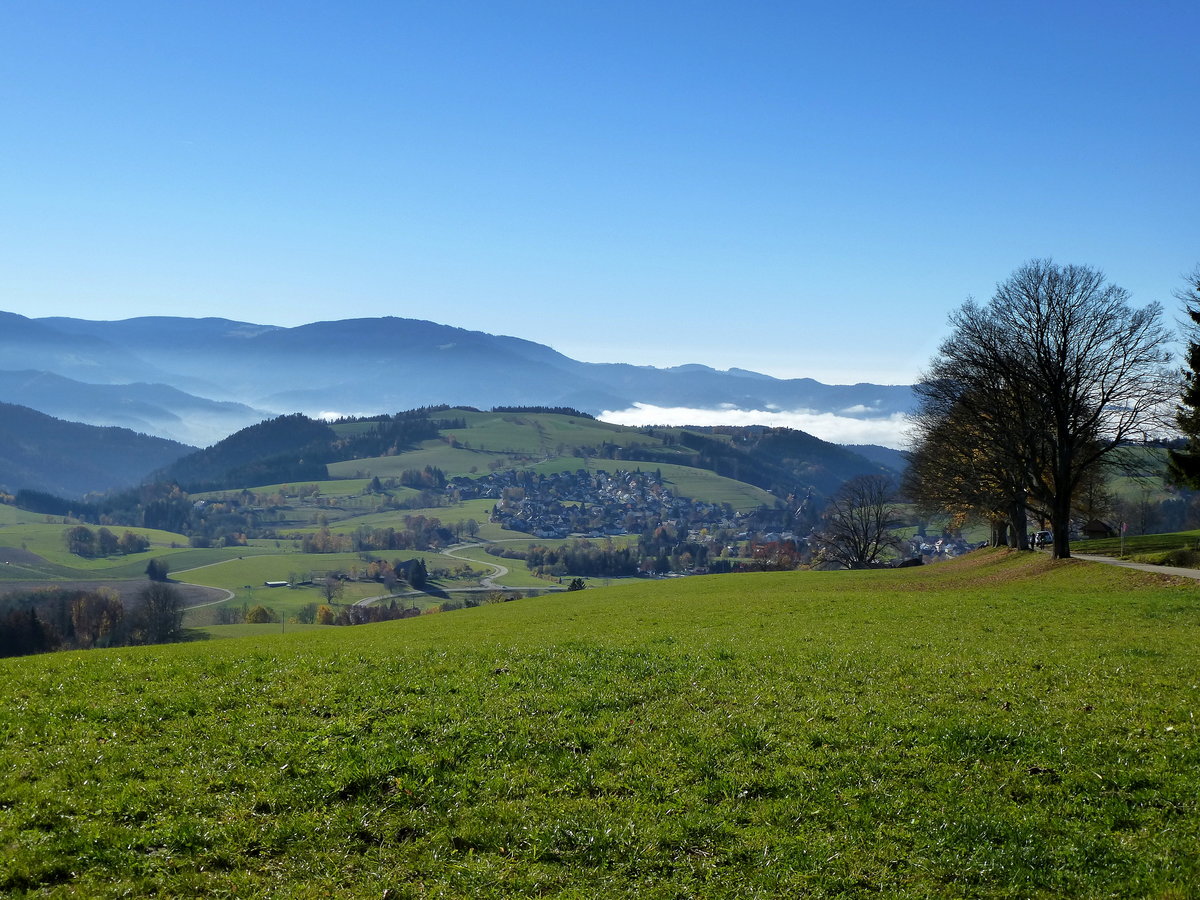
(887, 431)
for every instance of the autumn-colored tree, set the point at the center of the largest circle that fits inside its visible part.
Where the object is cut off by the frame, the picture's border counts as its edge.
(1061, 374)
(159, 615)
(95, 616)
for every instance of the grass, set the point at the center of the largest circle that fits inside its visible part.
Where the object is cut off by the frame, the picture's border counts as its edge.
(1152, 548)
(1001, 726)
(245, 578)
(537, 433)
(12, 515)
(518, 573)
(479, 510)
(346, 487)
(211, 632)
(453, 461)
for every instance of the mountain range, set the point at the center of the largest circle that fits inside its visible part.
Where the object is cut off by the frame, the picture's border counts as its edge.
(197, 380)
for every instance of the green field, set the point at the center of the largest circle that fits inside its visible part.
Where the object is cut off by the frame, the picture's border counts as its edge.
(439, 455)
(345, 487)
(532, 433)
(47, 540)
(12, 515)
(1152, 548)
(1000, 726)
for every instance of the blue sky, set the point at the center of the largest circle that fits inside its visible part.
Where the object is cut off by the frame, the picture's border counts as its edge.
(802, 189)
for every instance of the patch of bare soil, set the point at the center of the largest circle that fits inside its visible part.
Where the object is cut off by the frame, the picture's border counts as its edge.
(18, 557)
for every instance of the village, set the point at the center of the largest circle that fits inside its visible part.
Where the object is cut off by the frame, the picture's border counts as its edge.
(592, 504)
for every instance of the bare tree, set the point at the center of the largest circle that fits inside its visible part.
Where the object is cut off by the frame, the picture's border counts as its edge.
(859, 522)
(332, 589)
(1058, 371)
(159, 617)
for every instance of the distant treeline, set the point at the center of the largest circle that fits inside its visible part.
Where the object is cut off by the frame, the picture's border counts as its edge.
(544, 410)
(69, 619)
(294, 448)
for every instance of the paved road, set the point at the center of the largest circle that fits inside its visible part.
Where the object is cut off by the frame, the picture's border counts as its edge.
(488, 581)
(1142, 567)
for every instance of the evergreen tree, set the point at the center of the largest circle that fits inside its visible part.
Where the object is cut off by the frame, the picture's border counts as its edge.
(1184, 465)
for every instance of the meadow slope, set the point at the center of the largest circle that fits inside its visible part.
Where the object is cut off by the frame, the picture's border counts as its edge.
(1000, 726)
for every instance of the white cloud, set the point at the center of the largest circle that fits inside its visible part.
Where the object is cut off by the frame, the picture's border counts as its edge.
(330, 415)
(887, 431)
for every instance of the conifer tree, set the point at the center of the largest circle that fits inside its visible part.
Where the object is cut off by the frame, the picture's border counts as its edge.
(1184, 465)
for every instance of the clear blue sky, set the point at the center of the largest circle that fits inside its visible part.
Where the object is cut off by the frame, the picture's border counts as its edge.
(803, 189)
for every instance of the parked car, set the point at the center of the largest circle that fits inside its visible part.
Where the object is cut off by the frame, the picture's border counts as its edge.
(1043, 538)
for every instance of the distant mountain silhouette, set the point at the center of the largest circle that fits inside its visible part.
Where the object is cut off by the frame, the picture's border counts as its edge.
(366, 366)
(41, 453)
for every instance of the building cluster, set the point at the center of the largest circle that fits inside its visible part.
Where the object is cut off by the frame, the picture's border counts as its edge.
(591, 504)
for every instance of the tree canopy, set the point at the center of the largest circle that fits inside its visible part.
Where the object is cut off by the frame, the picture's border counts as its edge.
(1184, 465)
(1038, 388)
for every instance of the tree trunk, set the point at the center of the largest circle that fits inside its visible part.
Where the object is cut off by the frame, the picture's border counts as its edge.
(1060, 521)
(1019, 522)
(999, 534)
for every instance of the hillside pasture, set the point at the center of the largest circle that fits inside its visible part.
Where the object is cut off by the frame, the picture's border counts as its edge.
(479, 510)
(536, 433)
(1000, 726)
(342, 487)
(47, 540)
(684, 481)
(1151, 548)
(14, 515)
(436, 454)
(246, 577)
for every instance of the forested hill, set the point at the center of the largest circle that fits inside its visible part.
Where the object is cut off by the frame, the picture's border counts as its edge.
(68, 459)
(463, 440)
(295, 448)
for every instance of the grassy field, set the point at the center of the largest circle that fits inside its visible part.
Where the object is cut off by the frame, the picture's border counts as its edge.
(48, 541)
(479, 510)
(1001, 726)
(533, 433)
(12, 515)
(346, 487)
(1145, 547)
(451, 460)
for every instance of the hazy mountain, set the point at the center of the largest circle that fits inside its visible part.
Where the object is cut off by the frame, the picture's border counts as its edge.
(41, 453)
(149, 408)
(363, 366)
(896, 460)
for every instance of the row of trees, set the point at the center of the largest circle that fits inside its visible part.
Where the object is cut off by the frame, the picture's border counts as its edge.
(1035, 393)
(83, 541)
(71, 619)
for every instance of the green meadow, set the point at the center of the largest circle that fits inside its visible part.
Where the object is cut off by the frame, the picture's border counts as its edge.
(437, 454)
(532, 433)
(1151, 548)
(999, 726)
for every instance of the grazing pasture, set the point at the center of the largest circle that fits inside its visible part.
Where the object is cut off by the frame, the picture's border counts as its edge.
(1000, 726)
